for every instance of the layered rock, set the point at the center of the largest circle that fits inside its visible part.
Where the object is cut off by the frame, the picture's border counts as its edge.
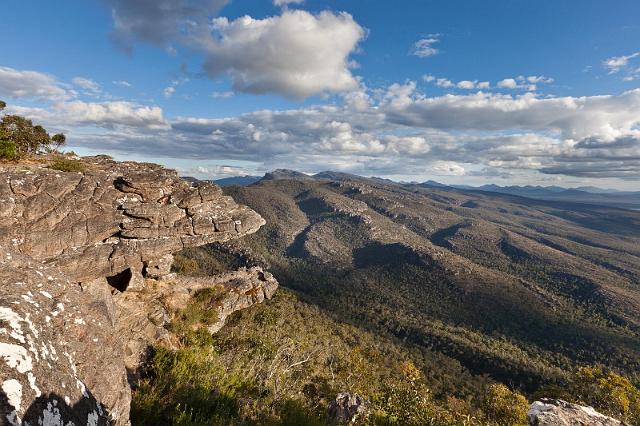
(70, 240)
(115, 218)
(556, 412)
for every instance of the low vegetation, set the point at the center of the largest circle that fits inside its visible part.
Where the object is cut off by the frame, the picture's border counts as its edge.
(64, 164)
(282, 362)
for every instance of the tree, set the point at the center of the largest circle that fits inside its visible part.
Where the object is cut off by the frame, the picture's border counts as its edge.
(25, 136)
(58, 140)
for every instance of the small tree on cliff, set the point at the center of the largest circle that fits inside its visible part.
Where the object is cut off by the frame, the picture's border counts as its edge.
(19, 134)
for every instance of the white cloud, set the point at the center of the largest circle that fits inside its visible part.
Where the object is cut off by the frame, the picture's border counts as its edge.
(424, 48)
(296, 54)
(462, 84)
(87, 85)
(448, 168)
(99, 114)
(616, 63)
(281, 3)
(444, 82)
(168, 91)
(539, 79)
(31, 84)
(122, 83)
(396, 131)
(223, 95)
(508, 83)
(466, 84)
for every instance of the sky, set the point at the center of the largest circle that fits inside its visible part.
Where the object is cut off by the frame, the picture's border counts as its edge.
(509, 92)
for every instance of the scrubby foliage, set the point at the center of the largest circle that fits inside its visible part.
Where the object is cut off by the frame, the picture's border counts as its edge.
(19, 136)
(8, 150)
(282, 363)
(518, 289)
(609, 392)
(67, 165)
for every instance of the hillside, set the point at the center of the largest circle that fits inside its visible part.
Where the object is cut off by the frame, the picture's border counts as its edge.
(520, 290)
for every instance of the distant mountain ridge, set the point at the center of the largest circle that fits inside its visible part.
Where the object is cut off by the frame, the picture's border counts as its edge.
(582, 194)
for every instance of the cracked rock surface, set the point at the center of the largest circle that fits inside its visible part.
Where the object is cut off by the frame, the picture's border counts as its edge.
(113, 217)
(67, 242)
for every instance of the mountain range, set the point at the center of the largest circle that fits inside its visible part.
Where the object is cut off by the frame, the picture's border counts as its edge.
(582, 194)
(473, 282)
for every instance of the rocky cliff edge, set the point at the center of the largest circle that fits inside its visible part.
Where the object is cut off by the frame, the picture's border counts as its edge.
(72, 245)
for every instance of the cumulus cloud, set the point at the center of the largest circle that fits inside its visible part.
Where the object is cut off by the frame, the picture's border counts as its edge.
(87, 85)
(31, 84)
(99, 114)
(160, 22)
(296, 54)
(529, 84)
(424, 47)
(462, 84)
(508, 83)
(122, 83)
(395, 131)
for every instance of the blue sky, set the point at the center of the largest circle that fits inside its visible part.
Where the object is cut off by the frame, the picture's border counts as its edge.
(508, 92)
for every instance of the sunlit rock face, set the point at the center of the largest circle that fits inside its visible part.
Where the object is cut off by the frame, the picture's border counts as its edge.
(69, 242)
(556, 412)
(113, 218)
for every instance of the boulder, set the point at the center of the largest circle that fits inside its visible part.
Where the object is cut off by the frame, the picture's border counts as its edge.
(556, 412)
(347, 408)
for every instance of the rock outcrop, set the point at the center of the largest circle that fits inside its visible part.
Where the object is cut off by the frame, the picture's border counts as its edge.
(348, 408)
(71, 244)
(556, 412)
(143, 314)
(115, 220)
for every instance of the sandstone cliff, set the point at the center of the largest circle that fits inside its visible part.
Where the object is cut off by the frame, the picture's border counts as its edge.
(75, 248)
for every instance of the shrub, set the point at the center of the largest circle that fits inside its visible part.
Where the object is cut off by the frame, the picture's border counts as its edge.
(68, 165)
(505, 407)
(8, 150)
(608, 392)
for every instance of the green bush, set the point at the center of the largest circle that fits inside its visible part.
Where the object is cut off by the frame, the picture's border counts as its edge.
(68, 165)
(8, 150)
(505, 407)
